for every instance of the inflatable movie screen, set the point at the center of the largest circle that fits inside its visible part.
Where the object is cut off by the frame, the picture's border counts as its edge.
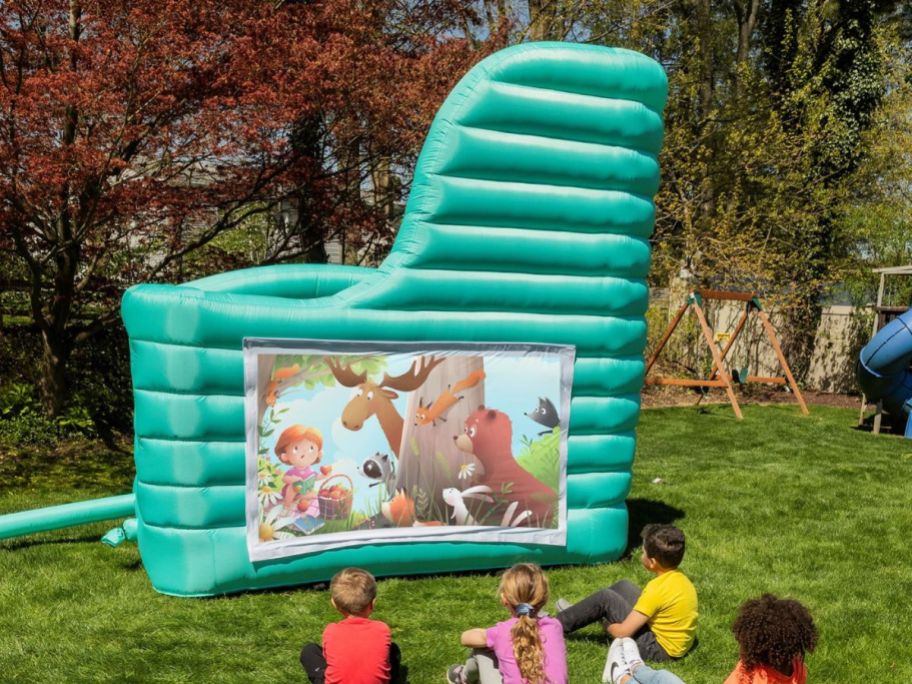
(351, 443)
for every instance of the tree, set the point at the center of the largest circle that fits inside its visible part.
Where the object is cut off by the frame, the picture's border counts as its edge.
(133, 134)
(827, 61)
(878, 210)
(430, 461)
(769, 101)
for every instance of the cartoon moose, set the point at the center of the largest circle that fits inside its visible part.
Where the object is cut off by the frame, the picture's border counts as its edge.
(376, 399)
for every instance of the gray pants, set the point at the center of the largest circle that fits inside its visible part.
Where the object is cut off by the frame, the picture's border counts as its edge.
(609, 606)
(482, 667)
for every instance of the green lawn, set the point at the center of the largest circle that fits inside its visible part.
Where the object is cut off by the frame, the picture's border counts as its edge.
(803, 507)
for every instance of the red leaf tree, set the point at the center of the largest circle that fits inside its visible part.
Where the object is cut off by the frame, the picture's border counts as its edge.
(134, 133)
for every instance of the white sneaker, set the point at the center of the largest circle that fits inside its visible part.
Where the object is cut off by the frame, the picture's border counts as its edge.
(616, 664)
(631, 653)
(561, 605)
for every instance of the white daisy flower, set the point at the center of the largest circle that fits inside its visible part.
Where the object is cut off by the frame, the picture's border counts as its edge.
(466, 470)
(268, 496)
(273, 523)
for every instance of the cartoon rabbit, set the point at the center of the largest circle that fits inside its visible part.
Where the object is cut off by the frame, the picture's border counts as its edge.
(455, 498)
(508, 519)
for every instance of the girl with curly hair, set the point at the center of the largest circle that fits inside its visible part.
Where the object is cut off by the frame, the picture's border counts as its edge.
(773, 636)
(526, 649)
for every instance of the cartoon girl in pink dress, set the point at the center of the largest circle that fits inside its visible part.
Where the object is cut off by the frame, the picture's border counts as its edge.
(301, 447)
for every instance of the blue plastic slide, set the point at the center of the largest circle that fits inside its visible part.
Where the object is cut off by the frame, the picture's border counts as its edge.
(883, 368)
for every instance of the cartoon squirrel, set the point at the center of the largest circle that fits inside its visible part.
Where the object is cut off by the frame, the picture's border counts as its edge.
(278, 376)
(447, 400)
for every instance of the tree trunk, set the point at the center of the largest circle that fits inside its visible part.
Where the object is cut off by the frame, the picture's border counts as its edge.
(747, 22)
(799, 334)
(56, 343)
(779, 31)
(543, 20)
(429, 461)
(705, 31)
(746, 16)
(306, 143)
(350, 158)
(55, 353)
(384, 195)
(264, 373)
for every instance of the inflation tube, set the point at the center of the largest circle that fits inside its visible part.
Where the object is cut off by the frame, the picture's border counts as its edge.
(883, 368)
(118, 535)
(67, 515)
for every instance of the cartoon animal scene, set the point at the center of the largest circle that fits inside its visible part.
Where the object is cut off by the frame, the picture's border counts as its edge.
(352, 444)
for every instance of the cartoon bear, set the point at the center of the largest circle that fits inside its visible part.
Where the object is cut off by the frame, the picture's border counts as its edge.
(489, 436)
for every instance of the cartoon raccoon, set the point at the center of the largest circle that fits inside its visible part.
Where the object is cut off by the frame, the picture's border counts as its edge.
(545, 414)
(381, 469)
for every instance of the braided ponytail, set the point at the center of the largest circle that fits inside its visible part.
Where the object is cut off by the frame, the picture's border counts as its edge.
(524, 588)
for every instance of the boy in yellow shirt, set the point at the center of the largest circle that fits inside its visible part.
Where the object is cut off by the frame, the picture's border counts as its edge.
(662, 618)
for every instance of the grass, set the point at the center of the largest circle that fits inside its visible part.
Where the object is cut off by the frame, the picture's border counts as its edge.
(803, 507)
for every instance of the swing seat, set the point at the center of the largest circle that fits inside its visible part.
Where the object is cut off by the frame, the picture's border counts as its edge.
(528, 221)
(740, 375)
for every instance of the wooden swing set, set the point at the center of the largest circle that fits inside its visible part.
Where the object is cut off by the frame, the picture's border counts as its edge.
(718, 377)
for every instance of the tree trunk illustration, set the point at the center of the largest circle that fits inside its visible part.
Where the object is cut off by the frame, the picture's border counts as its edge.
(264, 372)
(429, 461)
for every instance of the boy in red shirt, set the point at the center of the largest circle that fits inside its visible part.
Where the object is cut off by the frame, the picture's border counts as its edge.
(355, 650)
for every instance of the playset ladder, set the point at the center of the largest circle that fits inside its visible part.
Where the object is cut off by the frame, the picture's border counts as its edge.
(718, 377)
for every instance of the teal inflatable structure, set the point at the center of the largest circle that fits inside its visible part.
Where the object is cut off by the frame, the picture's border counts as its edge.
(528, 222)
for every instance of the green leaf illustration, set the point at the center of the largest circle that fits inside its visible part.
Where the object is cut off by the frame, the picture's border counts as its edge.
(443, 463)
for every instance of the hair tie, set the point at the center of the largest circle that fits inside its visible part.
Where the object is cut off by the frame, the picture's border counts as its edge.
(524, 609)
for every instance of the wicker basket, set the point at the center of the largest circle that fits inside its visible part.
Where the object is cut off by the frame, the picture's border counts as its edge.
(335, 509)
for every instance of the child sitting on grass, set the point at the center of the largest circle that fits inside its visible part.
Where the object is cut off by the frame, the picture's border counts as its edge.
(663, 618)
(625, 666)
(773, 637)
(355, 650)
(527, 648)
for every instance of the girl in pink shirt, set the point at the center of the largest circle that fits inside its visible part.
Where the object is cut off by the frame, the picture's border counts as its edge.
(527, 648)
(301, 447)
